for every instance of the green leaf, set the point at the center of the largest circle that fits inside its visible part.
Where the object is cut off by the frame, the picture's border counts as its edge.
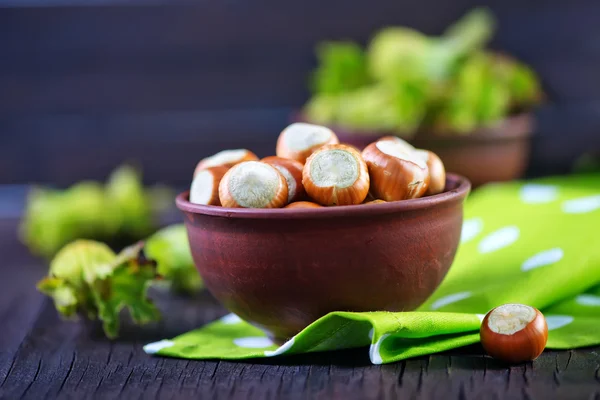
(126, 194)
(368, 108)
(87, 210)
(410, 98)
(87, 278)
(125, 287)
(445, 83)
(470, 33)
(494, 102)
(398, 51)
(53, 218)
(82, 261)
(170, 248)
(322, 109)
(477, 97)
(402, 51)
(341, 67)
(521, 81)
(63, 295)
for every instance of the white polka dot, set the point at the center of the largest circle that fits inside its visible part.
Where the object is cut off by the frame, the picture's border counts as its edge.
(543, 258)
(253, 342)
(282, 349)
(371, 334)
(153, 348)
(499, 239)
(481, 317)
(374, 354)
(453, 298)
(581, 205)
(536, 193)
(558, 321)
(588, 300)
(471, 228)
(230, 319)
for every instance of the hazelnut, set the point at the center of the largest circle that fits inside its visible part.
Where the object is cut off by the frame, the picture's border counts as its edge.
(336, 175)
(253, 184)
(299, 140)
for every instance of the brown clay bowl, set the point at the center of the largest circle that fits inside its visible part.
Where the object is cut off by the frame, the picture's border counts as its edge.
(282, 269)
(491, 154)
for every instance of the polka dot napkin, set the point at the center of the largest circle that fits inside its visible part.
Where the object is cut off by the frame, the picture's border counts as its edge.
(533, 242)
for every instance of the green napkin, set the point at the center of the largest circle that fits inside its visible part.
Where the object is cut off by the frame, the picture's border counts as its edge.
(532, 242)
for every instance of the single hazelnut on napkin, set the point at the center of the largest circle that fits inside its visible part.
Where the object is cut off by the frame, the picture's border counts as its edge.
(514, 333)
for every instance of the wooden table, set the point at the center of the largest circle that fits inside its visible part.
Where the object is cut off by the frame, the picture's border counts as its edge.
(44, 357)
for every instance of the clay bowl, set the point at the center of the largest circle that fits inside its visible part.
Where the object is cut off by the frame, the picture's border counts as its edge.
(281, 269)
(491, 154)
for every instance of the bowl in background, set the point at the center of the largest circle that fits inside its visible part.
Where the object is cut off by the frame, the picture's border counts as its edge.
(488, 154)
(282, 269)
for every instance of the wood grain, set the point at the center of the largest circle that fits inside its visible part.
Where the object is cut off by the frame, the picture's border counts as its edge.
(44, 357)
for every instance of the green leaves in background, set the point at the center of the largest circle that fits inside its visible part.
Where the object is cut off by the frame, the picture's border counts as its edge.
(476, 97)
(405, 81)
(121, 208)
(486, 88)
(125, 193)
(87, 277)
(170, 248)
(342, 67)
(467, 35)
(399, 102)
(399, 51)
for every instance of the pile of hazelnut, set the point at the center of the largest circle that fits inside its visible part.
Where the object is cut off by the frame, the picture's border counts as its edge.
(312, 169)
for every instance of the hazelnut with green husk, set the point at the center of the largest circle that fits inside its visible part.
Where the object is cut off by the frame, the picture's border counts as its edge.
(119, 210)
(405, 81)
(86, 278)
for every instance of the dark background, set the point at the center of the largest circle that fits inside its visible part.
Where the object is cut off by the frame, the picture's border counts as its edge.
(86, 85)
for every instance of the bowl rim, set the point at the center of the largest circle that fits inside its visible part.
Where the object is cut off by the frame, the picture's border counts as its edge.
(462, 187)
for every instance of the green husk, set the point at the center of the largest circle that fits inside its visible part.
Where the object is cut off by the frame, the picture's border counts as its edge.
(88, 278)
(170, 248)
(121, 208)
(478, 97)
(413, 82)
(342, 67)
(125, 192)
(397, 51)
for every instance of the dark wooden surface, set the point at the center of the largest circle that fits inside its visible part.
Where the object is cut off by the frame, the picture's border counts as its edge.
(87, 84)
(44, 357)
